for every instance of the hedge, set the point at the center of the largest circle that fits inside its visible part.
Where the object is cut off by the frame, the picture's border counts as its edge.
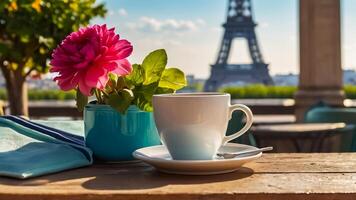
(262, 91)
(38, 94)
(245, 92)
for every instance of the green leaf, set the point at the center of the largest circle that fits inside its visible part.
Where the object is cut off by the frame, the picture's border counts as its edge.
(121, 101)
(172, 78)
(154, 65)
(25, 38)
(120, 83)
(4, 49)
(113, 78)
(143, 104)
(143, 96)
(149, 90)
(109, 88)
(136, 77)
(164, 90)
(82, 101)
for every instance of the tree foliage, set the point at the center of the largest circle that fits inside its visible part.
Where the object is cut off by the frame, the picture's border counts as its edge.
(31, 29)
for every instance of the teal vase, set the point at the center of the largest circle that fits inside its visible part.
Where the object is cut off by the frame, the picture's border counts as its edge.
(113, 136)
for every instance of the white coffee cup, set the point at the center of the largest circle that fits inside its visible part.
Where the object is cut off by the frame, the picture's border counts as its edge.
(193, 125)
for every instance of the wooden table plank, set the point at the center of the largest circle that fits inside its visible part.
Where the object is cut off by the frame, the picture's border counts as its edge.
(305, 163)
(274, 176)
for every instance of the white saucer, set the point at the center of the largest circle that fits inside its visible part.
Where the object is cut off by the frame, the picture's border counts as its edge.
(158, 157)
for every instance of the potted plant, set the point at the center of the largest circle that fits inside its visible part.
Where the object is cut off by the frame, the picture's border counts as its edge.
(94, 61)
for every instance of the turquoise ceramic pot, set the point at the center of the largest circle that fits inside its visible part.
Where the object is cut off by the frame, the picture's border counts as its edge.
(113, 136)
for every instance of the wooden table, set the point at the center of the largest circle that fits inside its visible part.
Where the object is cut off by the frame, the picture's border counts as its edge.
(305, 137)
(274, 176)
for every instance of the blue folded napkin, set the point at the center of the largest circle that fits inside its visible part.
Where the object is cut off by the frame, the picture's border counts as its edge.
(29, 149)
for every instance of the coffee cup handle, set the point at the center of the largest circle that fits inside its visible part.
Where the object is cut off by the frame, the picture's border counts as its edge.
(249, 120)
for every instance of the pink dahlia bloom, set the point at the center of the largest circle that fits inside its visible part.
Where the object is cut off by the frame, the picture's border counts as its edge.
(84, 58)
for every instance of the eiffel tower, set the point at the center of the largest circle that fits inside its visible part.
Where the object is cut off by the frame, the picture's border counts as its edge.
(239, 24)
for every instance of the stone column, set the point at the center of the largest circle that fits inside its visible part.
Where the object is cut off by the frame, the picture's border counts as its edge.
(320, 76)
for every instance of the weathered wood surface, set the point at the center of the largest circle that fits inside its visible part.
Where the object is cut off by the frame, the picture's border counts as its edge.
(274, 176)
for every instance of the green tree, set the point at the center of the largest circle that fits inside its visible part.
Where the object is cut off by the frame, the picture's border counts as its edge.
(29, 31)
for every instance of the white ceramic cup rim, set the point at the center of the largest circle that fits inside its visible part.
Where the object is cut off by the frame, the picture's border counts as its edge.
(193, 94)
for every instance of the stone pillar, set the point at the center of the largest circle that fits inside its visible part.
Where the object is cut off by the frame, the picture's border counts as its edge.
(320, 76)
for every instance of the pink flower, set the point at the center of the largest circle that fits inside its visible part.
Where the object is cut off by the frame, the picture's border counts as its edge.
(84, 58)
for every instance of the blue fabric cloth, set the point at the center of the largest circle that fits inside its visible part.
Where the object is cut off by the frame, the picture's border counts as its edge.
(34, 148)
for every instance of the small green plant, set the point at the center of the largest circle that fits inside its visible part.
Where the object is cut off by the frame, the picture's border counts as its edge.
(146, 79)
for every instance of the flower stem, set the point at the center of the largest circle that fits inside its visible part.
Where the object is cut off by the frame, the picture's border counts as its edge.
(98, 96)
(105, 94)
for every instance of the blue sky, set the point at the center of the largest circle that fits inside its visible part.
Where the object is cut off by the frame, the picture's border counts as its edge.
(190, 31)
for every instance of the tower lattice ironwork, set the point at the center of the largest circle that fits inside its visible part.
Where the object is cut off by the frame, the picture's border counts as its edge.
(239, 24)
